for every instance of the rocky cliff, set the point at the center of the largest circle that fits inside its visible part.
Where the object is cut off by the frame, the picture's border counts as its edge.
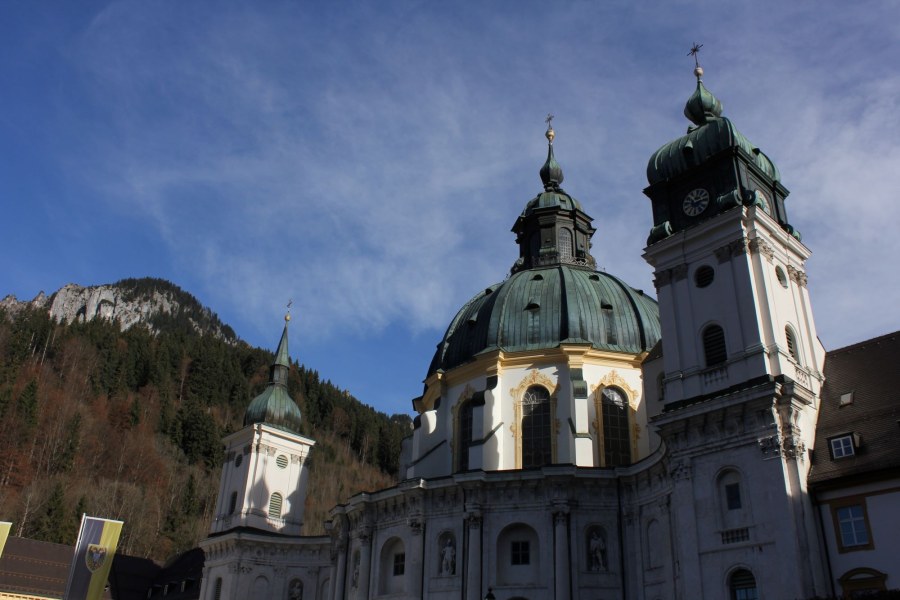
(154, 303)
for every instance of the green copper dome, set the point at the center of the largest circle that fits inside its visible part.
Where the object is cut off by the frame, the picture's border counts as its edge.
(542, 308)
(710, 135)
(274, 405)
(553, 295)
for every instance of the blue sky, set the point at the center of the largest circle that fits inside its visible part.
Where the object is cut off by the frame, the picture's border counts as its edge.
(368, 159)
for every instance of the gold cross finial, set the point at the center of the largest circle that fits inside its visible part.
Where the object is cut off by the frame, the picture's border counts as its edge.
(695, 50)
(550, 133)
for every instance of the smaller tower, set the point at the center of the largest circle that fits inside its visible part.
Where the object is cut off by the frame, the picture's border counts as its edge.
(264, 476)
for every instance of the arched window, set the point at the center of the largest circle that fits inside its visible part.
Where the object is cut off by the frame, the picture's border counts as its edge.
(734, 507)
(616, 438)
(742, 585)
(464, 435)
(393, 567)
(518, 556)
(232, 503)
(217, 593)
(536, 428)
(792, 343)
(275, 503)
(714, 345)
(565, 245)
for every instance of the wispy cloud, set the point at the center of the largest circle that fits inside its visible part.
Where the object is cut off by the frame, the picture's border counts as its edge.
(368, 160)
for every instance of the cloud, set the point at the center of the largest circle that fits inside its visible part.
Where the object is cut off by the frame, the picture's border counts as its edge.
(369, 162)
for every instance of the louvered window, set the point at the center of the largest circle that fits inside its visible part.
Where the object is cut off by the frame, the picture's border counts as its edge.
(743, 585)
(217, 595)
(791, 344)
(275, 506)
(714, 345)
(704, 276)
(232, 503)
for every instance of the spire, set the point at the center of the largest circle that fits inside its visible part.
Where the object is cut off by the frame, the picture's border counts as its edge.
(274, 405)
(551, 172)
(282, 358)
(702, 106)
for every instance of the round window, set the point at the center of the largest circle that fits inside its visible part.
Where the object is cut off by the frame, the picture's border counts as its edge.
(782, 278)
(704, 276)
(281, 461)
(238, 460)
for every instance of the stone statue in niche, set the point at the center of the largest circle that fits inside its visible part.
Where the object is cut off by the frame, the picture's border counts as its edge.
(448, 558)
(295, 590)
(597, 551)
(354, 582)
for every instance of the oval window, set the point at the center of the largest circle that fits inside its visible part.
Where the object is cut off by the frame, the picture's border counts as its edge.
(704, 276)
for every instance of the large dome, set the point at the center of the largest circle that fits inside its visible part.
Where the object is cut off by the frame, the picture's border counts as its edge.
(541, 308)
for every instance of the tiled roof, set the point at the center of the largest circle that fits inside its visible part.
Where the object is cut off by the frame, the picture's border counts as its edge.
(870, 371)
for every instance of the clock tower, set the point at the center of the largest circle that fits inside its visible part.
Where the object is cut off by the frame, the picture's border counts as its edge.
(739, 371)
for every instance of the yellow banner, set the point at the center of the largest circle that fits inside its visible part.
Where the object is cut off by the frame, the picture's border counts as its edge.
(94, 552)
(4, 533)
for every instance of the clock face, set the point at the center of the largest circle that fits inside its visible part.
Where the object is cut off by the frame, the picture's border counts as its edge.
(695, 202)
(763, 200)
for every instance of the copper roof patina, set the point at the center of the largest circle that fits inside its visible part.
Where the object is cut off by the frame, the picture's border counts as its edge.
(274, 406)
(710, 134)
(544, 307)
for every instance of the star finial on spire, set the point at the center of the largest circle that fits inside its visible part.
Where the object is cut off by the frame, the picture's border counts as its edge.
(695, 51)
(550, 134)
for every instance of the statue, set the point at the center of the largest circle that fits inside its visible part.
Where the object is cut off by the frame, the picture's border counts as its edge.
(597, 552)
(295, 591)
(448, 558)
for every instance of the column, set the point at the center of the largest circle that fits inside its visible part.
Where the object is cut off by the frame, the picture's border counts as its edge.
(365, 562)
(561, 571)
(339, 577)
(473, 557)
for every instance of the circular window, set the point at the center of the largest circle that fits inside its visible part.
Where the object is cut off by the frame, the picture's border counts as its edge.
(238, 460)
(281, 461)
(704, 276)
(782, 278)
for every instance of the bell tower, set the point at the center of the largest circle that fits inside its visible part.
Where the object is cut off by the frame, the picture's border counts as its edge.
(741, 362)
(264, 476)
(729, 268)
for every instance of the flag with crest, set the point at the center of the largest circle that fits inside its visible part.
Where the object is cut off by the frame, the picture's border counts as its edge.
(94, 551)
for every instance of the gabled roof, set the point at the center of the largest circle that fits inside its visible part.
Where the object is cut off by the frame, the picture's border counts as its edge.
(870, 371)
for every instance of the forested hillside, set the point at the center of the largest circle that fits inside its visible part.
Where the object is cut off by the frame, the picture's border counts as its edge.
(127, 425)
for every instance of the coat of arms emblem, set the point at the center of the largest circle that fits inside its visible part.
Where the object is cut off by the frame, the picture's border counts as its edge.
(95, 556)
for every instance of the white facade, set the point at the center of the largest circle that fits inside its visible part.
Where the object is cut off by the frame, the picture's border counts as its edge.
(263, 482)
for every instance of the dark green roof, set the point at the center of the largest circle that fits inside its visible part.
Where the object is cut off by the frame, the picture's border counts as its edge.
(274, 406)
(542, 308)
(710, 135)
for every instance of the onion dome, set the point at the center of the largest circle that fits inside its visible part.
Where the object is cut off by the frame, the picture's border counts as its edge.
(274, 406)
(553, 295)
(711, 133)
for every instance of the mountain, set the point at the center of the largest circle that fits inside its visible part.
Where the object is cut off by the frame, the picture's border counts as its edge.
(114, 399)
(155, 303)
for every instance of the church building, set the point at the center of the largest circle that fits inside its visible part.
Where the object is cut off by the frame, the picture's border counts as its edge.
(576, 438)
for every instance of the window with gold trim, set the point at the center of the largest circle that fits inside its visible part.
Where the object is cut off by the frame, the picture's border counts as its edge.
(537, 428)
